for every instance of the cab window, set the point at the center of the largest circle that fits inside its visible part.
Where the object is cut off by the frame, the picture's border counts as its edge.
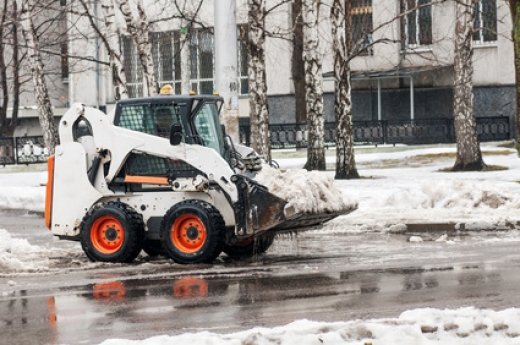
(154, 119)
(208, 128)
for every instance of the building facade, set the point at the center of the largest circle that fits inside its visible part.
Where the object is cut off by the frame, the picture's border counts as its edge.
(402, 69)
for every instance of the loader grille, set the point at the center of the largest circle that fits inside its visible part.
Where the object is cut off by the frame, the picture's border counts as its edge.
(150, 118)
(147, 165)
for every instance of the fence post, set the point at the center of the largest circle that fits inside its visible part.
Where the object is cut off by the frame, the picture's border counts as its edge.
(384, 125)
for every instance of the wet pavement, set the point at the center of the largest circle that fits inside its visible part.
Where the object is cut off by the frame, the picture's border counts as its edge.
(318, 276)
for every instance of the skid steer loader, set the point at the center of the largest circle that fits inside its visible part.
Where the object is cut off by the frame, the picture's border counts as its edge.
(159, 174)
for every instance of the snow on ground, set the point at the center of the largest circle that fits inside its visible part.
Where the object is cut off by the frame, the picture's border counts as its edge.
(418, 193)
(463, 326)
(23, 191)
(17, 255)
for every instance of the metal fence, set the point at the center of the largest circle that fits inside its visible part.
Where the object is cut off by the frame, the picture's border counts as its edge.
(31, 150)
(409, 132)
(7, 155)
(23, 150)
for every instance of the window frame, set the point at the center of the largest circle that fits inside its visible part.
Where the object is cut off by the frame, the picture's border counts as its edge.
(195, 57)
(365, 10)
(133, 66)
(406, 22)
(481, 30)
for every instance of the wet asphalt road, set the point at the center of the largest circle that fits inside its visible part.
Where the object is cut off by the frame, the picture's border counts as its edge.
(323, 277)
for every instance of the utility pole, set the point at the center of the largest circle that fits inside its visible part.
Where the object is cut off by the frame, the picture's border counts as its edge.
(226, 81)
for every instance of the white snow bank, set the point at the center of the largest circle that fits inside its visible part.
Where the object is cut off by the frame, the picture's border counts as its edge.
(23, 198)
(454, 194)
(24, 191)
(463, 326)
(17, 255)
(306, 191)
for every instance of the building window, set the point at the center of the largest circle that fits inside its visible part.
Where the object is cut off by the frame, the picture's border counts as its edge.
(242, 33)
(485, 22)
(166, 47)
(416, 26)
(64, 61)
(201, 51)
(166, 59)
(360, 25)
(63, 2)
(134, 76)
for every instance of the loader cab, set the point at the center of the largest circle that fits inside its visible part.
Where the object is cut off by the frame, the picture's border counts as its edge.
(196, 116)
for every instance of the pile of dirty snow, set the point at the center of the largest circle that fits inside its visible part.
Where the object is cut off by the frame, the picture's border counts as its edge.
(17, 255)
(419, 326)
(306, 191)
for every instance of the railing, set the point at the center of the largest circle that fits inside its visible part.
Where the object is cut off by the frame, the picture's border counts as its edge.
(436, 131)
(31, 150)
(23, 150)
(7, 153)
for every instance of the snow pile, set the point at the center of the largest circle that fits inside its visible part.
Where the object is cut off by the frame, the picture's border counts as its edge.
(17, 255)
(420, 326)
(306, 191)
(455, 194)
(23, 191)
(23, 198)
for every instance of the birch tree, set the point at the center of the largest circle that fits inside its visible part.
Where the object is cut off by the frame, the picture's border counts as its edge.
(259, 113)
(469, 156)
(344, 137)
(107, 31)
(138, 28)
(11, 62)
(297, 65)
(113, 46)
(45, 114)
(314, 86)
(514, 6)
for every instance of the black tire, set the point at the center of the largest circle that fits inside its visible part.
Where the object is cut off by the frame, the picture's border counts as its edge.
(153, 248)
(112, 232)
(192, 232)
(248, 248)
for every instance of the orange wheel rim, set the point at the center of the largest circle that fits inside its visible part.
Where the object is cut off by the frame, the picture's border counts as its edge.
(188, 233)
(107, 235)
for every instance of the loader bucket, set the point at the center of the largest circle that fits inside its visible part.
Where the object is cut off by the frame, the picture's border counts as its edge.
(257, 210)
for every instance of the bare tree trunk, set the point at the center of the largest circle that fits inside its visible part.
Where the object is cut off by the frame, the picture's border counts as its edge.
(258, 113)
(345, 161)
(16, 70)
(45, 115)
(469, 156)
(314, 86)
(297, 67)
(113, 46)
(4, 126)
(110, 38)
(185, 57)
(138, 30)
(12, 88)
(514, 6)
